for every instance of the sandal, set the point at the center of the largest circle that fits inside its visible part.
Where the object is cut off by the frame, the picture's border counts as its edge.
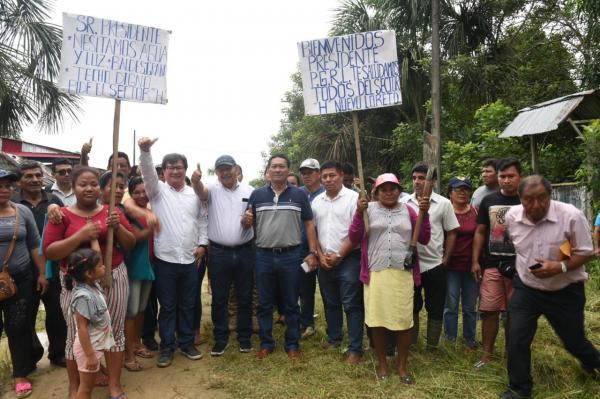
(133, 365)
(143, 353)
(407, 380)
(479, 364)
(23, 389)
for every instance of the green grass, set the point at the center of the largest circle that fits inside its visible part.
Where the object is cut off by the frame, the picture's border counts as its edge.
(446, 373)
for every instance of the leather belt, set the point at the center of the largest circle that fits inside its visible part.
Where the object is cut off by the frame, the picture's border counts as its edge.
(235, 247)
(280, 250)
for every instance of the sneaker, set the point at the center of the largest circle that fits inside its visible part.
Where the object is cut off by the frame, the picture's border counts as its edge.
(218, 349)
(165, 358)
(245, 347)
(308, 331)
(191, 352)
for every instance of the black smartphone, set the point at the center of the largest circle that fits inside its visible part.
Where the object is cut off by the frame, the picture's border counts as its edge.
(536, 266)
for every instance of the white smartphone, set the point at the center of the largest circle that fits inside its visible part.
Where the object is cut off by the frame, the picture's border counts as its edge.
(305, 267)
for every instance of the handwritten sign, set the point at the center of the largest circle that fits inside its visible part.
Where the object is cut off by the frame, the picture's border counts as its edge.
(351, 72)
(105, 58)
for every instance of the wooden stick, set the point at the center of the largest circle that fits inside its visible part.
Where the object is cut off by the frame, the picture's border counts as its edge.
(411, 259)
(113, 187)
(361, 177)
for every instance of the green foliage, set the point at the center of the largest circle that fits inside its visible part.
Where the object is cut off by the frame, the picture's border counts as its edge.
(257, 183)
(589, 173)
(498, 56)
(29, 64)
(464, 158)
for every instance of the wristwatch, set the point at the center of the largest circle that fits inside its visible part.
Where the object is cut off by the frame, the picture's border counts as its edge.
(563, 266)
(313, 253)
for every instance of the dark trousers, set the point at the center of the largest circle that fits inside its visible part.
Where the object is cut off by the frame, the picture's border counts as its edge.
(342, 292)
(278, 270)
(150, 316)
(433, 282)
(56, 327)
(198, 305)
(563, 310)
(176, 286)
(227, 267)
(17, 311)
(308, 286)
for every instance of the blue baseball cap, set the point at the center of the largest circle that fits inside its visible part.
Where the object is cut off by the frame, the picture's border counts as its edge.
(7, 174)
(224, 160)
(459, 181)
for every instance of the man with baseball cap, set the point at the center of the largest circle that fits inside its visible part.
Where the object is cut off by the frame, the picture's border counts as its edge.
(231, 252)
(310, 170)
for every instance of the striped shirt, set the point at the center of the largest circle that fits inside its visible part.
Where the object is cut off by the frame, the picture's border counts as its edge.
(279, 218)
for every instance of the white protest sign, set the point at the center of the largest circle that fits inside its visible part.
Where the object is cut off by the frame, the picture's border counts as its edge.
(105, 58)
(349, 73)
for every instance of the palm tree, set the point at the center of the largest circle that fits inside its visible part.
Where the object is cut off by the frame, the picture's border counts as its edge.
(29, 65)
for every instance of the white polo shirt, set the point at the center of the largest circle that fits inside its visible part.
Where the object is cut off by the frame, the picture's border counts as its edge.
(226, 209)
(183, 217)
(441, 218)
(332, 218)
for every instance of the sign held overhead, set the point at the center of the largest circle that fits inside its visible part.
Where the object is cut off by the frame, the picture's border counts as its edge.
(119, 60)
(349, 73)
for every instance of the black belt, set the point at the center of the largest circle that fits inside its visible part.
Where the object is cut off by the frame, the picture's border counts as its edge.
(244, 245)
(280, 250)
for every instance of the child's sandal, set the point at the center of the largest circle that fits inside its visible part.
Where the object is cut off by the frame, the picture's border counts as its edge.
(23, 389)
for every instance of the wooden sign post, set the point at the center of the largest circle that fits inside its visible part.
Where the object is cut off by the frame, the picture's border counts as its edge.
(348, 73)
(91, 69)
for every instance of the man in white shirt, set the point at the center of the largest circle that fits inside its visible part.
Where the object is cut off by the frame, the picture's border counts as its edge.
(231, 252)
(178, 248)
(433, 256)
(338, 275)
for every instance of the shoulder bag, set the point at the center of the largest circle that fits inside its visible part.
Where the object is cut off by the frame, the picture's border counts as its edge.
(8, 288)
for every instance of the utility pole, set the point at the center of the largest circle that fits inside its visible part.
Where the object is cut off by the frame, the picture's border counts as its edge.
(432, 146)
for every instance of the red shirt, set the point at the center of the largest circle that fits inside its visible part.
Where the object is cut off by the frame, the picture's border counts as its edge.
(71, 223)
(460, 261)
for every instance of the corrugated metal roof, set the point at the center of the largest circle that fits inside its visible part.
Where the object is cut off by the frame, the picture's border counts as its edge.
(547, 116)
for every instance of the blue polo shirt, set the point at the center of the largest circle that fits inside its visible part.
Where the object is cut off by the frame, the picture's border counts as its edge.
(279, 220)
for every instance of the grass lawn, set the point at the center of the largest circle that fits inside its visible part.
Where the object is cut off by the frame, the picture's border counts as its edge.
(446, 373)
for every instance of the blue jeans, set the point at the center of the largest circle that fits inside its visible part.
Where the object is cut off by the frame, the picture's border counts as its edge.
(308, 286)
(176, 285)
(231, 266)
(273, 270)
(461, 287)
(342, 290)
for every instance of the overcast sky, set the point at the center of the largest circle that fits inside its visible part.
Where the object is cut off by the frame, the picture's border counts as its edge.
(229, 66)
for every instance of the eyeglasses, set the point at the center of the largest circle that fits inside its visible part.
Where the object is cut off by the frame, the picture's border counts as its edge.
(64, 172)
(176, 168)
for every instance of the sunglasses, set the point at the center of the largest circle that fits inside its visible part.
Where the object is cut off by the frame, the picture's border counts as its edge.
(64, 172)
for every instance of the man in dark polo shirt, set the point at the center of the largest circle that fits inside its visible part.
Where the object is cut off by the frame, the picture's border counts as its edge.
(34, 197)
(278, 212)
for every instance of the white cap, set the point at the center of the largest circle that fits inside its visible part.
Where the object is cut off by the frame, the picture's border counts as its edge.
(310, 163)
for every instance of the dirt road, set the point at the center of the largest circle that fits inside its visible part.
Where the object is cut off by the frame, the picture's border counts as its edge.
(183, 379)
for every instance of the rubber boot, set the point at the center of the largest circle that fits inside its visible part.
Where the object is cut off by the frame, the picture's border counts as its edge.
(434, 330)
(415, 329)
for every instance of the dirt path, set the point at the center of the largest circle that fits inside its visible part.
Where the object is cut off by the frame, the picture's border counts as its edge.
(183, 379)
